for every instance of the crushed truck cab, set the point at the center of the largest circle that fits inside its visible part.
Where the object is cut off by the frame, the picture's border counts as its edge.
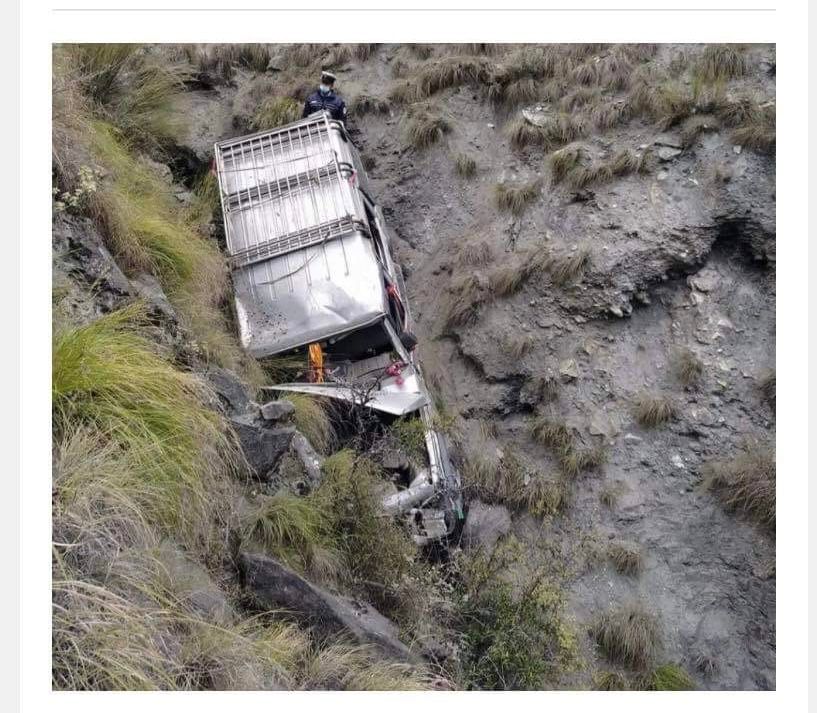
(313, 272)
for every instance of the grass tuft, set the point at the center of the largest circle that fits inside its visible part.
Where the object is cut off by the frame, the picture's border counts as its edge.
(275, 112)
(746, 484)
(688, 367)
(464, 298)
(367, 104)
(109, 376)
(569, 268)
(767, 384)
(475, 253)
(424, 129)
(651, 410)
(465, 165)
(628, 636)
(312, 419)
(436, 75)
(515, 199)
(719, 63)
(626, 557)
(667, 677)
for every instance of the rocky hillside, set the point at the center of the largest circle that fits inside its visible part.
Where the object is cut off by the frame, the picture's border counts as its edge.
(597, 224)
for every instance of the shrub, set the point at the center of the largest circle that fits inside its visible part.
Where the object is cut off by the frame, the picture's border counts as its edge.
(511, 640)
(349, 496)
(275, 112)
(746, 484)
(628, 636)
(651, 410)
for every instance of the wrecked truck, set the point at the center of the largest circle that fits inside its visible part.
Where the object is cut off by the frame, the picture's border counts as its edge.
(313, 275)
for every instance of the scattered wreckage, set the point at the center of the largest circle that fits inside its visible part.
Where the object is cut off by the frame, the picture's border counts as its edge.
(313, 275)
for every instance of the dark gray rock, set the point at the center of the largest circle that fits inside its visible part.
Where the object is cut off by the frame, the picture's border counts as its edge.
(484, 525)
(232, 392)
(277, 410)
(274, 586)
(81, 252)
(263, 447)
(148, 288)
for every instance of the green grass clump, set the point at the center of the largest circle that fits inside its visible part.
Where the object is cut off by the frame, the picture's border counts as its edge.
(629, 636)
(747, 484)
(651, 410)
(347, 667)
(253, 56)
(626, 557)
(515, 199)
(667, 677)
(312, 419)
(610, 681)
(553, 435)
(465, 166)
(109, 376)
(410, 434)
(291, 528)
(275, 112)
(759, 132)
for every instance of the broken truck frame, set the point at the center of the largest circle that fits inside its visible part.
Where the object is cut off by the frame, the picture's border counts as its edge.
(312, 268)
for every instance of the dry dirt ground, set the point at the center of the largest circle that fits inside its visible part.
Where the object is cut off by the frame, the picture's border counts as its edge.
(679, 259)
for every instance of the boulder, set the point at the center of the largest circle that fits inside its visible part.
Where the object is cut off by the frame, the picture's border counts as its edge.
(232, 392)
(192, 583)
(275, 586)
(309, 459)
(277, 410)
(263, 446)
(484, 525)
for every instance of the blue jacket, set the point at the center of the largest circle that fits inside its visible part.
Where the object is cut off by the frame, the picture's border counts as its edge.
(330, 102)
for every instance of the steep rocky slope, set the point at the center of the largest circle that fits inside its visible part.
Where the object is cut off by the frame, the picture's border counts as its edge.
(612, 288)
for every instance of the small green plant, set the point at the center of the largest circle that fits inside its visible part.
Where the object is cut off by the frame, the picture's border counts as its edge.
(610, 681)
(651, 410)
(465, 166)
(78, 200)
(746, 484)
(626, 557)
(410, 434)
(628, 636)
(515, 198)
